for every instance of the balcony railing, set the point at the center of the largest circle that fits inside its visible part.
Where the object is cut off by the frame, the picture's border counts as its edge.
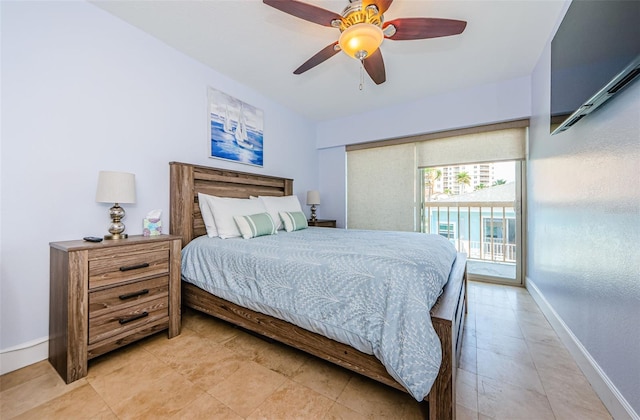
(483, 230)
(492, 252)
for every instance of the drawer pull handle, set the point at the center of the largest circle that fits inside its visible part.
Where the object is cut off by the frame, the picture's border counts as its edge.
(133, 318)
(134, 267)
(134, 294)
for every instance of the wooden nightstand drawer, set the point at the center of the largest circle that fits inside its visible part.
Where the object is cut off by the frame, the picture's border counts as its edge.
(117, 265)
(322, 223)
(115, 298)
(126, 319)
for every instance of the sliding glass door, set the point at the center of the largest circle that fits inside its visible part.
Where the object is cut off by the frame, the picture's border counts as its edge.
(477, 206)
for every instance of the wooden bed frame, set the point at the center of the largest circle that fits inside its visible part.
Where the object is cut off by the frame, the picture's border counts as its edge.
(447, 315)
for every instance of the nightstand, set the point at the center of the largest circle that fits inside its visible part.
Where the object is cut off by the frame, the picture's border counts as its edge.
(106, 295)
(322, 223)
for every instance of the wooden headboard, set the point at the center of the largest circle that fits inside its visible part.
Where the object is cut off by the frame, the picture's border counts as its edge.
(187, 180)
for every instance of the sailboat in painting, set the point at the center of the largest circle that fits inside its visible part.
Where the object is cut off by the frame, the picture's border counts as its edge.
(227, 121)
(241, 132)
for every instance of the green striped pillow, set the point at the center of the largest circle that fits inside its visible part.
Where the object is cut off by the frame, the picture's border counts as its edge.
(255, 225)
(293, 220)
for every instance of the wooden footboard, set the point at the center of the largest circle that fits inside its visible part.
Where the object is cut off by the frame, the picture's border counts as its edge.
(287, 333)
(447, 315)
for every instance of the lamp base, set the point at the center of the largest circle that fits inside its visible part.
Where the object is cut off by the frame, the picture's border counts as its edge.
(116, 236)
(313, 213)
(116, 228)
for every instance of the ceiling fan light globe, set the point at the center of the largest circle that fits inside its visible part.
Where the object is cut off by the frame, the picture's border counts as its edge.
(359, 38)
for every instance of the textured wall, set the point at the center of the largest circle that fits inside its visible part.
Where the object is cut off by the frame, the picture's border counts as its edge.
(584, 227)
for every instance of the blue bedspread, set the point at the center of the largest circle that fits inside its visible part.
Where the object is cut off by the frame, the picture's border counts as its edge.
(371, 290)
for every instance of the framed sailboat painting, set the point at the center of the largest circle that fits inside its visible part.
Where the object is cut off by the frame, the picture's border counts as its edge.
(235, 129)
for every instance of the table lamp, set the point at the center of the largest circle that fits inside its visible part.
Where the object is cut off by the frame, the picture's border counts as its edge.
(116, 187)
(313, 198)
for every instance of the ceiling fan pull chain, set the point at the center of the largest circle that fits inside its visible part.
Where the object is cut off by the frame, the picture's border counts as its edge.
(361, 75)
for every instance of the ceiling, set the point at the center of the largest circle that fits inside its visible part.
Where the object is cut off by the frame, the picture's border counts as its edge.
(260, 47)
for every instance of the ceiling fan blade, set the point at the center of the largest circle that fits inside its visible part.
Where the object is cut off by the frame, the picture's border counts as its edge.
(374, 65)
(382, 5)
(304, 11)
(323, 55)
(422, 28)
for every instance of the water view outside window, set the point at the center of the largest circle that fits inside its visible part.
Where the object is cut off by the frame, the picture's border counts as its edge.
(474, 207)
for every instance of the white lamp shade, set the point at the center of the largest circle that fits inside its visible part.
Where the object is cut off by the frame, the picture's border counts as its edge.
(313, 197)
(116, 187)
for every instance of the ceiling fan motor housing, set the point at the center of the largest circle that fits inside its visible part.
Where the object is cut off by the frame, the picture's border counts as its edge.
(354, 14)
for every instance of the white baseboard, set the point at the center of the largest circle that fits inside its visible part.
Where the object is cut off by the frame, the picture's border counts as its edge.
(23, 355)
(615, 402)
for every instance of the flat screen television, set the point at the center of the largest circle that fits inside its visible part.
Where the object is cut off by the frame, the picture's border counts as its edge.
(594, 55)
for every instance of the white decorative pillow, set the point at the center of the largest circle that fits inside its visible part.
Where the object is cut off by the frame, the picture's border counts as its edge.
(295, 220)
(275, 205)
(207, 215)
(224, 209)
(255, 225)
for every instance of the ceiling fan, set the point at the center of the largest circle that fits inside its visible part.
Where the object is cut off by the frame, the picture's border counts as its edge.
(363, 29)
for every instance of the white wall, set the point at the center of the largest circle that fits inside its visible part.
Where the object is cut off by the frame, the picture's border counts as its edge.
(584, 229)
(83, 91)
(497, 102)
(332, 178)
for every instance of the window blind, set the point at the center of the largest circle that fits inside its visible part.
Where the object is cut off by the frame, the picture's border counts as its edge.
(382, 182)
(381, 188)
(493, 146)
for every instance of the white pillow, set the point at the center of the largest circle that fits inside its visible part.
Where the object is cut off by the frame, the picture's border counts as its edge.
(224, 208)
(207, 215)
(275, 205)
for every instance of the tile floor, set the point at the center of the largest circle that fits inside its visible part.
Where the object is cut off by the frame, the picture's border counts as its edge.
(513, 366)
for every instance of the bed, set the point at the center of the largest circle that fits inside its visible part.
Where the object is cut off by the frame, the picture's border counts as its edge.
(447, 315)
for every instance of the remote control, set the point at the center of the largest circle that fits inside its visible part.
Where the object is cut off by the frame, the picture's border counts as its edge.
(92, 239)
